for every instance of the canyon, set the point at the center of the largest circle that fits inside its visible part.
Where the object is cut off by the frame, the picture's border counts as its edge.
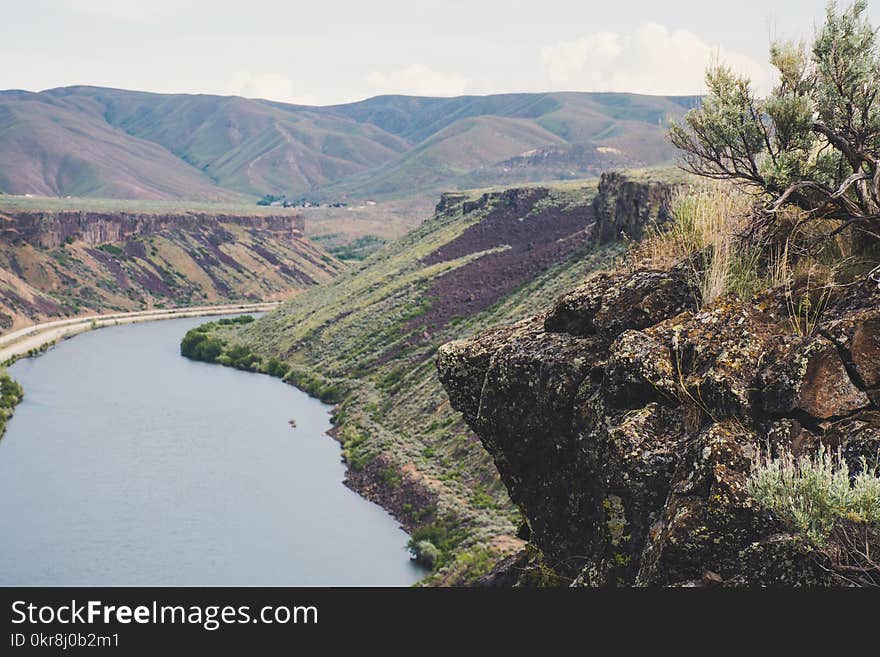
(625, 420)
(366, 340)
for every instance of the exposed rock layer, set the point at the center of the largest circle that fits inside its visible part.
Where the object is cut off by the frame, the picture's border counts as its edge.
(628, 205)
(52, 229)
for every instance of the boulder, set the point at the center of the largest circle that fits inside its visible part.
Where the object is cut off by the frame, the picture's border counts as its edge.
(609, 304)
(806, 376)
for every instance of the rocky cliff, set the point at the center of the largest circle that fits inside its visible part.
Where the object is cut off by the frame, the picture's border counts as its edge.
(624, 422)
(627, 203)
(52, 229)
(65, 263)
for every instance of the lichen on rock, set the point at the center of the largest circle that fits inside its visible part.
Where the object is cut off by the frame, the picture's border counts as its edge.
(624, 422)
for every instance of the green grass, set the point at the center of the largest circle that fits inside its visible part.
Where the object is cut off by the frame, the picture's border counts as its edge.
(358, 249)
(11, 394)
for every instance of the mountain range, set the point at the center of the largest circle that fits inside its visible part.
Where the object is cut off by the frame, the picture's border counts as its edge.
(99, 142)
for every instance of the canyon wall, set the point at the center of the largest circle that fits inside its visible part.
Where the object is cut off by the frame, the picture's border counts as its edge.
(627, 204)
(52, 229)
(63, 264)
(366, 341)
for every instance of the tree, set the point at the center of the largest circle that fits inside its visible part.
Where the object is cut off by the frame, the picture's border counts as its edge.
(814, 142)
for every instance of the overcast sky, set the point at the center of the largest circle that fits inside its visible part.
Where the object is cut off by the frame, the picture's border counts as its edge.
(333, 51)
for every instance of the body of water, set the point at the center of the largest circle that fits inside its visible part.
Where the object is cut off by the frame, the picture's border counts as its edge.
(128, 464)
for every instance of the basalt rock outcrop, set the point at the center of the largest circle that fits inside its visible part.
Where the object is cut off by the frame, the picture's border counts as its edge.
(626, 205)
(624, 422)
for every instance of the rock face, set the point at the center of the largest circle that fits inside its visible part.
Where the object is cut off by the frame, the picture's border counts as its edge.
(51, 229)
(626, 205)
(624, 422)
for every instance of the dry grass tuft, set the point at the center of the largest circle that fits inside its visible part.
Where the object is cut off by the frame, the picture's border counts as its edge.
(706, 230)
(710, 232)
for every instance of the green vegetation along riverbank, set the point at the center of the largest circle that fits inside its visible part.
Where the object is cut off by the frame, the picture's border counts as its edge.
(11, 395)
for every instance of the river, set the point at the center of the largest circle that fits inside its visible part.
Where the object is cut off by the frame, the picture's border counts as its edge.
(127, 464)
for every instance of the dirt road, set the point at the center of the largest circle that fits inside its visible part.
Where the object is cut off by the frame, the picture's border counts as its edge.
(23, 340)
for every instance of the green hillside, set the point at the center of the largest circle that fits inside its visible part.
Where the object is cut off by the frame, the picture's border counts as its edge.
(366, 339)
(91, 141)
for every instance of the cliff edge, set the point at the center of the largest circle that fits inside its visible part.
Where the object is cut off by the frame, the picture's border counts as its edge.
(624, 422)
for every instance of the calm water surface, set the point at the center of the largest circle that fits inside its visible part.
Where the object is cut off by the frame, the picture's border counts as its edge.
(127, 464)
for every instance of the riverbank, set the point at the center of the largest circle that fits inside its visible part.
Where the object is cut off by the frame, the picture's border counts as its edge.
(11, 395)
(30, 340)
(368, 338)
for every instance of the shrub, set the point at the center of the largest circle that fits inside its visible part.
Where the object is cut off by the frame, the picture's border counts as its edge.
(276, 368)
(112, 249)
(837, 511)
(354, 439)
(813, 491)
(269, 199)
(426, 553)
(316, 386)
(241, 357)
(232, 321)
(11, 394)
(445, 534)
(197, 345)
(813, 142)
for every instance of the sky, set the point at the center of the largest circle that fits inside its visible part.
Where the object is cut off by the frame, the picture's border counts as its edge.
(321, 52)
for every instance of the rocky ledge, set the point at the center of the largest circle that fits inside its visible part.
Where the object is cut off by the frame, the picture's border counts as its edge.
(624, 422)
(50, 230)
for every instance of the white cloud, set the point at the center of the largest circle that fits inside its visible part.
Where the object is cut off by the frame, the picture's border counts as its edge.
(270, 86)
(133, 11)
(417, 80)
(651, 60)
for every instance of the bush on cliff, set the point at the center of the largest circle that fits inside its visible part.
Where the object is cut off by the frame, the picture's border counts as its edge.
(838, 512)
(796, 195)
(813, 144)
(705, 235)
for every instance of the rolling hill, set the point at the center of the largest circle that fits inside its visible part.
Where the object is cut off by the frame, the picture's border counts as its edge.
(52, 150)
(97, 142)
